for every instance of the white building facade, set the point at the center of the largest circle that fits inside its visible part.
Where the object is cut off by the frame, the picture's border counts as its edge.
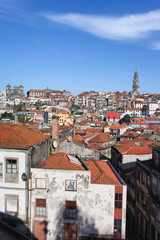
(68, 205)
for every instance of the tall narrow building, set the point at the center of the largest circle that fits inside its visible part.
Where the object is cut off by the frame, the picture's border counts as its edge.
(136, 83)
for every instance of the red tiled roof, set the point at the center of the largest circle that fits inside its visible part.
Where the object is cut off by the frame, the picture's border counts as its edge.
(133, 109)
(101, 173)
(62, 111)
(139, 150)
(93, 130)
(78, 137)
(60, 161)
(88, 134)
(99, 138)
(131, 149)
(95, 146)
(115, 126)
(142, 123)
(36, 90)
(138, 119)
(19, 136)
(130, 134)
(79, 131)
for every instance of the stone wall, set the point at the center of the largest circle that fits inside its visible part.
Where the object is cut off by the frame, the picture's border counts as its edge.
(78, 149)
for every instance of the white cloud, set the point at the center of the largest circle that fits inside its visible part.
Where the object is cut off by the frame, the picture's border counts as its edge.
(129, 27)
(155, 45)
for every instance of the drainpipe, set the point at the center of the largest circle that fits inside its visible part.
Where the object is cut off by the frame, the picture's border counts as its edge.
(30, 203)
(28, 177)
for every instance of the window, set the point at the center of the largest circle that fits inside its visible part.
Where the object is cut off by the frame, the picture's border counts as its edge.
(117, 226)
(41, 183)
(11, 166)
(118, 200)
(1, 170)
(70, 209)
(40, 207)
(11, 204)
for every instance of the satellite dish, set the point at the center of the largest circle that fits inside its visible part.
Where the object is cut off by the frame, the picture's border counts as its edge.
(54, 144)
(69, 139)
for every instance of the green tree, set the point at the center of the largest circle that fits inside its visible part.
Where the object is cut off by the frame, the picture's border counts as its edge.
(21, 118)
(125, 119)
(145, 109)
(6, 115)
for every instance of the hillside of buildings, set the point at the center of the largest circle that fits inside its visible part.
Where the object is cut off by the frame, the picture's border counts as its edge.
(79, 167)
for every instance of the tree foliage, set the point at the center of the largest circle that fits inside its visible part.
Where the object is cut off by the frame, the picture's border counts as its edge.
(23, 118)
(6, 115)
(145, 109)
(125, 119)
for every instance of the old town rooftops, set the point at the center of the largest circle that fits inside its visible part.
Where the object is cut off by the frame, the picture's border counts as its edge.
(19, 136)
(101, 171)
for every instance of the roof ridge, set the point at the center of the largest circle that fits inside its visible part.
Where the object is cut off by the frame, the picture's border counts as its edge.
(98, 169)
(108, 177)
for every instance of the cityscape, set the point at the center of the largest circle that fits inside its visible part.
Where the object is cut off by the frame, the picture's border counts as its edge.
(79, 120)
(61, 154)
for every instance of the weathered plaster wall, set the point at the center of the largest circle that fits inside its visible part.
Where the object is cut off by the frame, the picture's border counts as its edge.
(95, 203)
(77, 149)
(39, 153)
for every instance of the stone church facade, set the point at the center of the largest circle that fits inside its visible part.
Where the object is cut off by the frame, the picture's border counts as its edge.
(15, 92)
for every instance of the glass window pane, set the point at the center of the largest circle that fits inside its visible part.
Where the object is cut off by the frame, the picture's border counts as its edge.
(119, 222)
(116, 196)
(8, 165)
(14, 170)
(120, 196)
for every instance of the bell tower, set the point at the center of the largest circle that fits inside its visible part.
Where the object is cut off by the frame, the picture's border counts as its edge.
(136, 83)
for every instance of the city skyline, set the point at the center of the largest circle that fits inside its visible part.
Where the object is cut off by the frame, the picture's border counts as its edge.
(80, 47)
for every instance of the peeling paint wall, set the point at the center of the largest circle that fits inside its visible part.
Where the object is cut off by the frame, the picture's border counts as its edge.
(95, 202)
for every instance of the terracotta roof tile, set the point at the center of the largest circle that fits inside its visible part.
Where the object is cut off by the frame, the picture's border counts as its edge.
(62, 112)
(18, 136)
(130, 148)
(78, 137)
(60, 161)
(79, 131)
(99, 138)
(94, 130)
(101, 173)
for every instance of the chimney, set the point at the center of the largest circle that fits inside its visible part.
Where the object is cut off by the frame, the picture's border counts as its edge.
(55, 135)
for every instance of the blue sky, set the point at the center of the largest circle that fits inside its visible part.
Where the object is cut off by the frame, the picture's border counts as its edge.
(80, 45)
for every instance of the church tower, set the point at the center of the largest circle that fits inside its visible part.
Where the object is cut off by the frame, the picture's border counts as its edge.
(136, 83)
